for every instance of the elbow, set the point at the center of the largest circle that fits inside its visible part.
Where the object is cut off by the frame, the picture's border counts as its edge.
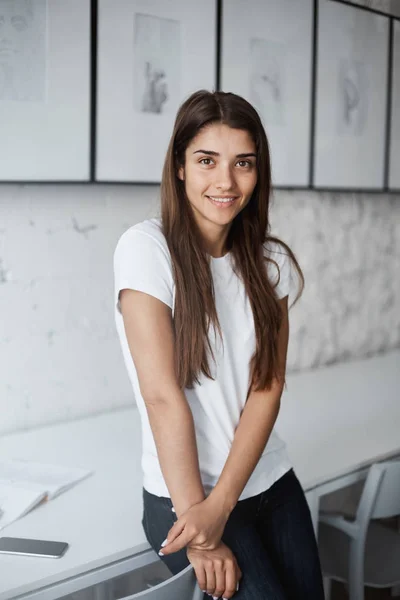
(154, 397)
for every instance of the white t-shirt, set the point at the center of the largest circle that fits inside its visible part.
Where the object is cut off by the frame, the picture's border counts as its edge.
(142, 262)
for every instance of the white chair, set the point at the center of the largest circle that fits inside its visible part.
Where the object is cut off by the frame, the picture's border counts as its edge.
(361, 551)
(183, 586)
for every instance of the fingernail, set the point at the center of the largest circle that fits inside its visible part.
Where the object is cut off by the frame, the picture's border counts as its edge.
(164, 543)
(237, 587)
(173, 510)
(215, 597)
(161, 553)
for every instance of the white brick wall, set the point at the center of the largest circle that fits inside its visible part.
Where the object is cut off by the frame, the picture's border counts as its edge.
(59, 354)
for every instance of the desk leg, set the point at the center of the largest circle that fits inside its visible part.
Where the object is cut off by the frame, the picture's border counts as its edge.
(313, 502)
(103, 591)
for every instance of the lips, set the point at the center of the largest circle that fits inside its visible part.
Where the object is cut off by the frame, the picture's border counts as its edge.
(225, 204)
(223, 198)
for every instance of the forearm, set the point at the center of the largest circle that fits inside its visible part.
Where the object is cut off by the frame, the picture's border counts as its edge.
(172, 425)
(251, 436)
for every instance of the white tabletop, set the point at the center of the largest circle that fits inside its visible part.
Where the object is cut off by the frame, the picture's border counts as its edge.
(340, 418)
(100, 518)
(334, 420)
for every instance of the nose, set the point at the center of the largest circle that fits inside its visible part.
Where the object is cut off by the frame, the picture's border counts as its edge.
(225, 180)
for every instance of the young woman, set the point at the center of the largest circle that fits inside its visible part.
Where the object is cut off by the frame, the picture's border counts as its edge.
(202, 314)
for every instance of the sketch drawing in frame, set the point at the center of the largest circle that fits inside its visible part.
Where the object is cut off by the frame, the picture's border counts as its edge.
(270, 64)
(166, 51)
(157, 58)
(267, 79)
(351, 98)
(23, 41)
(44, 91)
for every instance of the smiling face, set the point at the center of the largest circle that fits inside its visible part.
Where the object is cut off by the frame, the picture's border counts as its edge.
(220, 174)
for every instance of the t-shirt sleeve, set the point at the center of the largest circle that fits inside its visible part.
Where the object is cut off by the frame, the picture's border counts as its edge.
(141, 263)
(287, 285)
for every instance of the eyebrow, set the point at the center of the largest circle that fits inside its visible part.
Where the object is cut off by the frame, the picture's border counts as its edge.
(212, 153)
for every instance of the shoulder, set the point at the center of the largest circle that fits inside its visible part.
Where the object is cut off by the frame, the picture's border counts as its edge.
(279, 268)
(144, 237)
(276, 252)
(150, 229)
(142, 262)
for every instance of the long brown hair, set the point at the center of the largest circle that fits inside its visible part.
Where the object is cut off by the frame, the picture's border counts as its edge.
(194, 308)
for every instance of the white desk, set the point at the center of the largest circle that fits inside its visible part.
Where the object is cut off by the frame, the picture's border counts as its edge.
(338, 420)
(335, 421)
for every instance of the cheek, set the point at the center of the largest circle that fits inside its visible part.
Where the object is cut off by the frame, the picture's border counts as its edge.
(196, 182)
(249, 184)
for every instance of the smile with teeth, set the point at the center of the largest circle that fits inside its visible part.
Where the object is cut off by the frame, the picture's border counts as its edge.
(223, 200)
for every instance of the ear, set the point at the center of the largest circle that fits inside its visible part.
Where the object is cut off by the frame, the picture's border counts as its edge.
(181, 173)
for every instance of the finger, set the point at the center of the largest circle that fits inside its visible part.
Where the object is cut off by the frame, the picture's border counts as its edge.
(210, 575)
(238, 577)
(231, 581)
(201, 577)
(175, 530)
(219, 579)
(180, 542)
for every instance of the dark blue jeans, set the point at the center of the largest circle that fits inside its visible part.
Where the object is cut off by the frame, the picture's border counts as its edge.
(271, 536)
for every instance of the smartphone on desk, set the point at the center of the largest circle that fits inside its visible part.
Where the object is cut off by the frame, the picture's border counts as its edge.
(27, 547)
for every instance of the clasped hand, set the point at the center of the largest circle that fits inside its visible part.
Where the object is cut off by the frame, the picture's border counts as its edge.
(200, 527)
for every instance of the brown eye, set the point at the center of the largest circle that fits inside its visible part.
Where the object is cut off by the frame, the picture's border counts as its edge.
(207, 163)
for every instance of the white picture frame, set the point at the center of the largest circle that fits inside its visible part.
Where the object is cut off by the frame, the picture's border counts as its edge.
(266, 57)
(45, 102)
(351, 98)
(152, 54)
(394, 147)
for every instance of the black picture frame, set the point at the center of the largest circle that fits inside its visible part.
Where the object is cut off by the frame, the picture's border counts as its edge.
(151, 55)
(349, 150)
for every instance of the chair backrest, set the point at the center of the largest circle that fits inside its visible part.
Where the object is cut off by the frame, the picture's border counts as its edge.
(380, 498)
(183, 586)
(387, 503)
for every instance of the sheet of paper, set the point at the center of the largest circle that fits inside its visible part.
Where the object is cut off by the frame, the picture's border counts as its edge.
(16, 501)
(52, 479)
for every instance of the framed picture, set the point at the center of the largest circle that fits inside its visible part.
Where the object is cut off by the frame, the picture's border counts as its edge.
(267, 59)
(152, 54)
(45, 83)
(394, 147)
(351, 97)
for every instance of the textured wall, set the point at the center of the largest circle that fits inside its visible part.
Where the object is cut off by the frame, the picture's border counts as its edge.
(349, 248)
(59, 354)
